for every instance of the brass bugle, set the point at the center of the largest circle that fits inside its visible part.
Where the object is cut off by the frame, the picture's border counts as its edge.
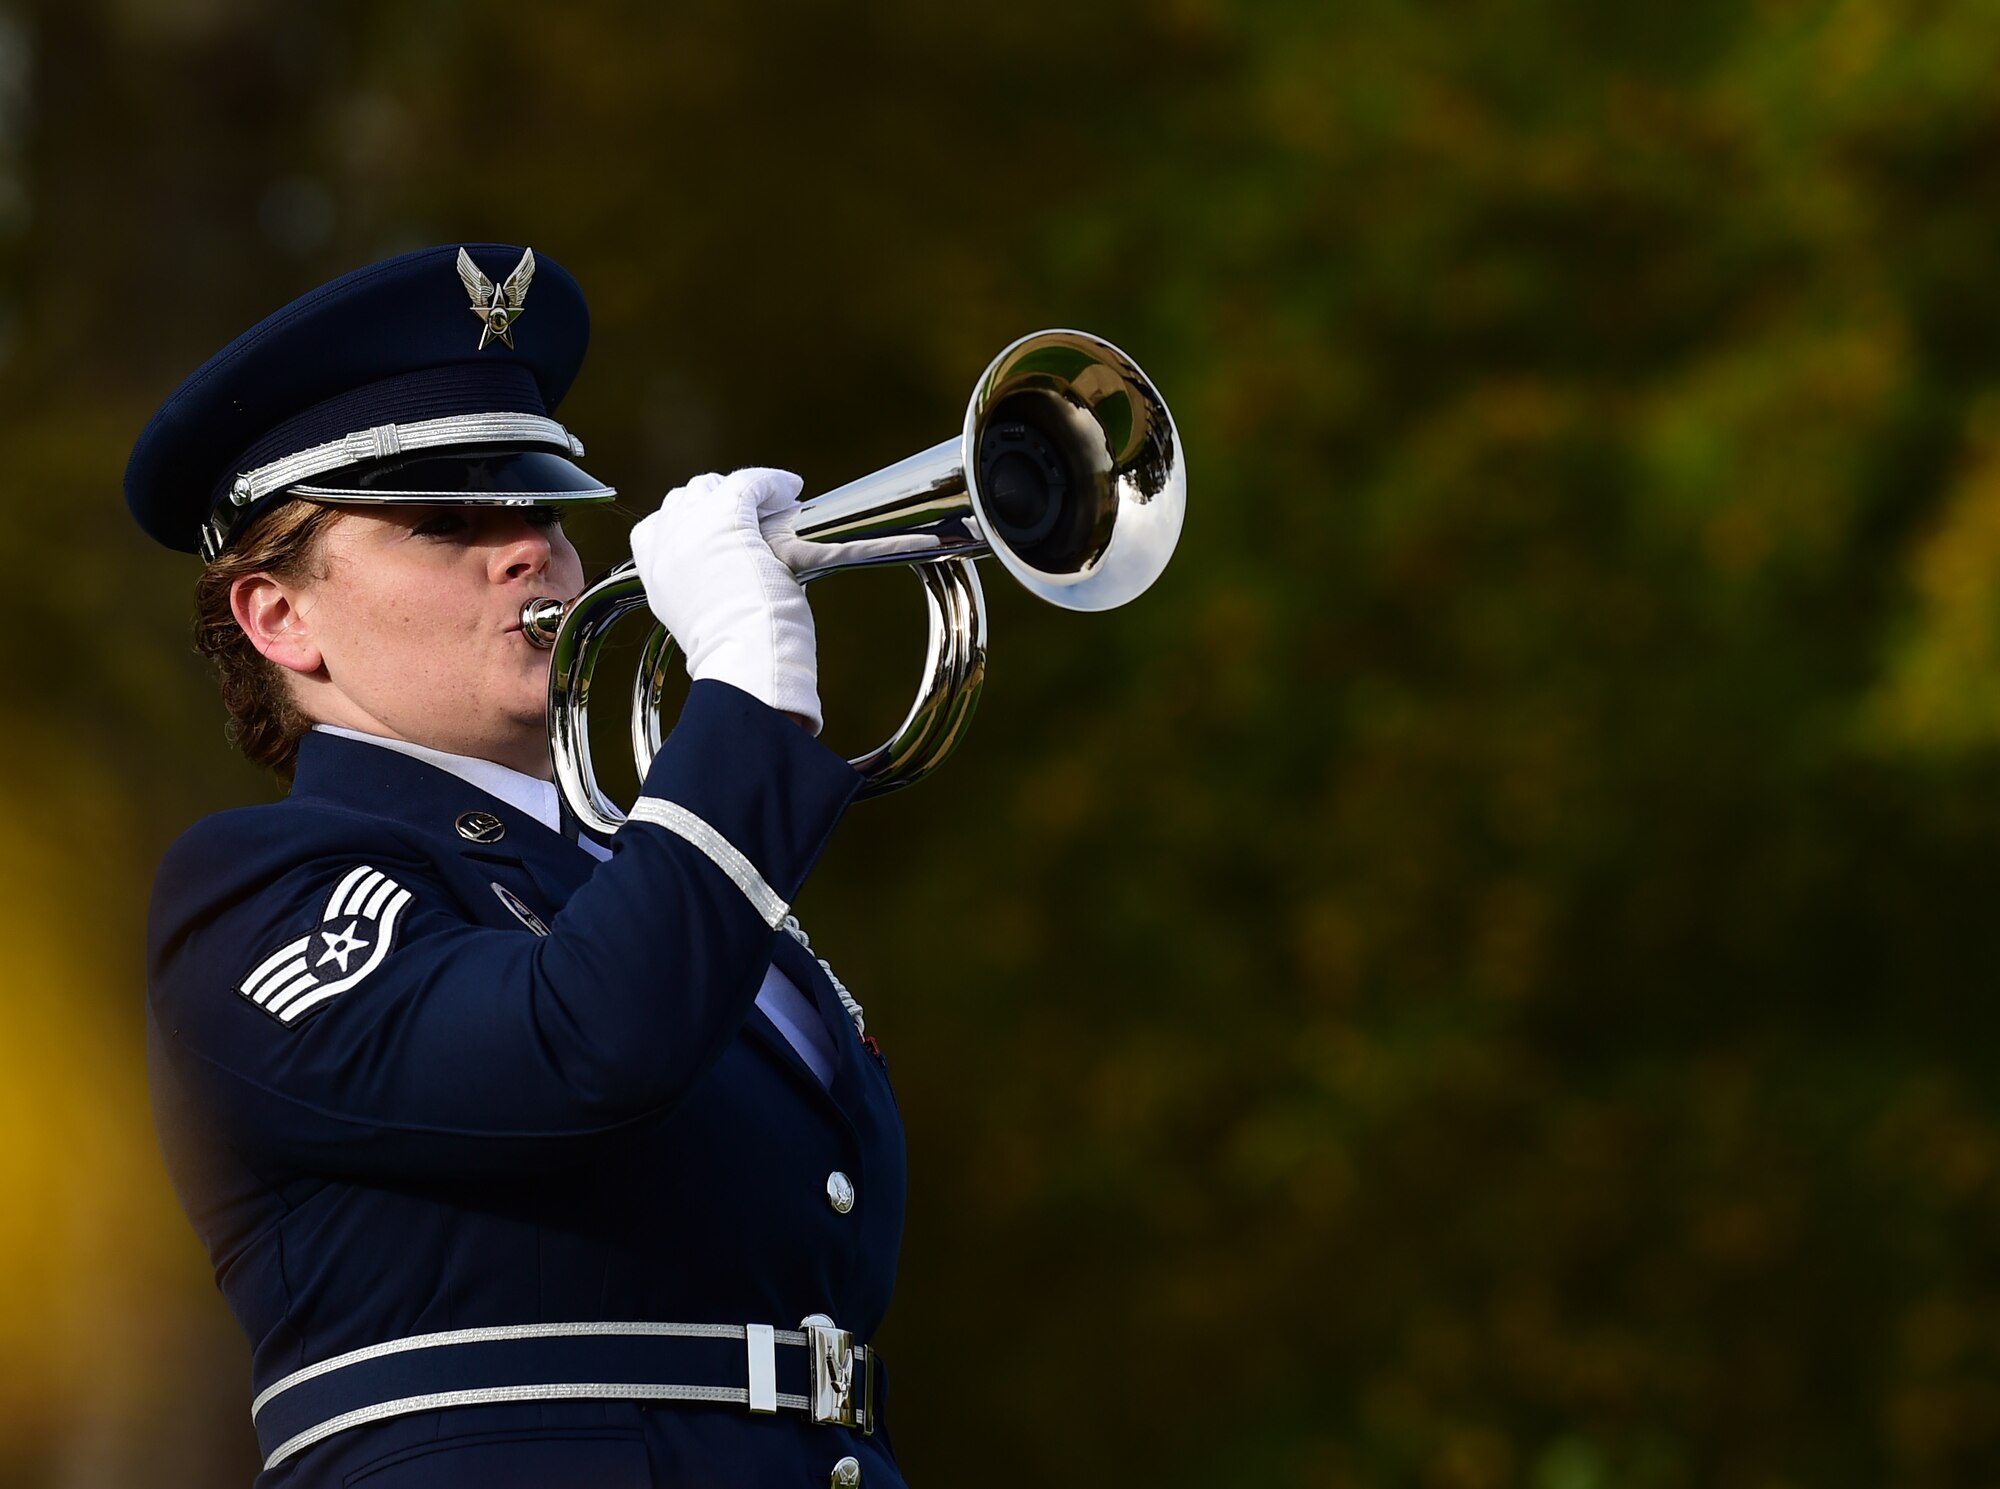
(1068, 470)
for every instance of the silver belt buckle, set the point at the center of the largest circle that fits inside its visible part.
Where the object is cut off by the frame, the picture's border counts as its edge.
(834, 1361)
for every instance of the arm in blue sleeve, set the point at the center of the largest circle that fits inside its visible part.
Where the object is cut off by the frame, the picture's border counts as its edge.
(470, 1048)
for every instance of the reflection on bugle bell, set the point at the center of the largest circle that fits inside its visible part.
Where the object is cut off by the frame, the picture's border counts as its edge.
(1068, 470)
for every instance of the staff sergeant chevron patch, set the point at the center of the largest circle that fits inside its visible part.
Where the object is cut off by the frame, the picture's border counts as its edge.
(354, 934)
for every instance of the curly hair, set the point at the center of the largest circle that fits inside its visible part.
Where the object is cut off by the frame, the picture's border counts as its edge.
(265, 721)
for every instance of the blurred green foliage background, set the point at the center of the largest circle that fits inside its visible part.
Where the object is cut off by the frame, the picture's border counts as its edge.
(1484, 978)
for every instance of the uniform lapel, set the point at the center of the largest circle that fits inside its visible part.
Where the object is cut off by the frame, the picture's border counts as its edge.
(792, 960)
(558, 866)
(760, 1028)
(385, 783)
(804, 969)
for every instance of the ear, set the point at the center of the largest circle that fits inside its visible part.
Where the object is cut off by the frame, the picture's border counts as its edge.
(270, 615)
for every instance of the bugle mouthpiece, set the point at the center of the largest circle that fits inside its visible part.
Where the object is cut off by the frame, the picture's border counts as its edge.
(541, 618)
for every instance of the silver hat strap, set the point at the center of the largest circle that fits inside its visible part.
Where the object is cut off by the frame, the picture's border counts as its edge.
(377, 443)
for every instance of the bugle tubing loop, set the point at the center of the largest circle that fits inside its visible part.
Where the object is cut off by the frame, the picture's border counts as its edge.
(1068, 470)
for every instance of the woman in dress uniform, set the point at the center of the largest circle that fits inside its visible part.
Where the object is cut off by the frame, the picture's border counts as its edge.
(521, 1160)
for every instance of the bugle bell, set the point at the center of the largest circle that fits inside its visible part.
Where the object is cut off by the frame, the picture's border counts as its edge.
(1068, 470)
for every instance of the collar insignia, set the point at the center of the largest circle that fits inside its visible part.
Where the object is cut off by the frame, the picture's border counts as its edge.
(497, 306)
(480, 827)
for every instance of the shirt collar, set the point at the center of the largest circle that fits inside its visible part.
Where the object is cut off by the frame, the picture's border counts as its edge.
(525, 793)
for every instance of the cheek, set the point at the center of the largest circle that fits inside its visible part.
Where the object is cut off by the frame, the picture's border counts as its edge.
(385, 623)
(376, 631)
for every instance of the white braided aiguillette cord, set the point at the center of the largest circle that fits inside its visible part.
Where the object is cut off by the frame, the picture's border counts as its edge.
(847, 999)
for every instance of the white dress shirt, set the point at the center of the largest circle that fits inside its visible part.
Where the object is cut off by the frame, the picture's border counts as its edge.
(779, 997)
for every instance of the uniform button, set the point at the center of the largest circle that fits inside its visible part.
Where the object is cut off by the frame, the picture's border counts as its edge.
(840, 1194)
(846, 1474)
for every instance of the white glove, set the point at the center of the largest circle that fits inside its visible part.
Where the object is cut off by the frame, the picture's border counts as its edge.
(714, 583)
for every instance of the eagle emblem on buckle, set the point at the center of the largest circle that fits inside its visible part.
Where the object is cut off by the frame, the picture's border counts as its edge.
(841, 1375)
(498, 306)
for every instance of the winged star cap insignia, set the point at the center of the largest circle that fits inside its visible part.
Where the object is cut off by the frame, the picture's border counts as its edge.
(498, 306)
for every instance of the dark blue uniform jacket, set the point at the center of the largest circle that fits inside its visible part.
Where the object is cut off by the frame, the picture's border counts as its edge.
(392, 1108)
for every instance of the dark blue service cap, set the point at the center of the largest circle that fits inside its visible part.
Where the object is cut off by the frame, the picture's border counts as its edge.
(431, 377)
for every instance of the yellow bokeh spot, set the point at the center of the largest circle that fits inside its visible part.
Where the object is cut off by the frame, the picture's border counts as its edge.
(90, 1245)
(1941, 692)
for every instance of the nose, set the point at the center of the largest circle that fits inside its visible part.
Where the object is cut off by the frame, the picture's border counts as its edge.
(522, 549)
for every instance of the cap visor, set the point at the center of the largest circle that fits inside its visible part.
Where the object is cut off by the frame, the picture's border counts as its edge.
(499, 477)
